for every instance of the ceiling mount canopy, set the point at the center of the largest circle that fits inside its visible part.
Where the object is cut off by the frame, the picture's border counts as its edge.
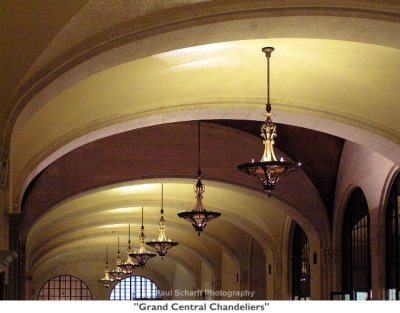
(199, 216)
(269, 170)
(162, 244)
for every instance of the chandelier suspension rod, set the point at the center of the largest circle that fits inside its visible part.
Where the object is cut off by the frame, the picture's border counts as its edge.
(142, 221)
(129, 233)
(198, 149)
(268, 87)
(268, 51)
(162, 199)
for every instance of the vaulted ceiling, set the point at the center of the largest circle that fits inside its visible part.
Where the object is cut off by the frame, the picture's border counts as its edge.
(100, 95)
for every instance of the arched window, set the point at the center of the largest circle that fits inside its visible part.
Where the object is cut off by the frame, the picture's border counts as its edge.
(64, 287)
(393, 242)
(300, 264)
(135, 288)
(356, 257)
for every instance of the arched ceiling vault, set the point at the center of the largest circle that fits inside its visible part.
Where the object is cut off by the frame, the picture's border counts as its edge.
(208, 247)
(77, 102)
(335, 70)
(90, 221)
(317, 84)
(85, 262)
(112, 24)
(126, 157)
(92, 255)
(370, 21)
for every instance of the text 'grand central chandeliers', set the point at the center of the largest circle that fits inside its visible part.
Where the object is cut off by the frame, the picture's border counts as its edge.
(269, 169)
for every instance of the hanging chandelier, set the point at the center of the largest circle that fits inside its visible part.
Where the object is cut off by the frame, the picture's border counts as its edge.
(117, 273)
(142, 255)
(107, 279)
(269, 169)
(162, 244)
(129, 265)
(199, 216)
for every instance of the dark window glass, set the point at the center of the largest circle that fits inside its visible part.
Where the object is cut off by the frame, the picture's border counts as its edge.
(393, 242)
(65, 287)
(356, 258)
(135, 288)
(300, 264)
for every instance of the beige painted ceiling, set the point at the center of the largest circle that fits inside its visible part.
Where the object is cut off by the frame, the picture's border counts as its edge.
(352, 83)
(343, 83)
(334, 71)
(88, 222)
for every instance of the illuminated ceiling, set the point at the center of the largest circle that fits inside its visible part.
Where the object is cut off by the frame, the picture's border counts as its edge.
(315, 83)
(85, 224)
(335, 70)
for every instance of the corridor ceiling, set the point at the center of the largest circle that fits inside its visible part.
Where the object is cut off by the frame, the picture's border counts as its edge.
(77, 72)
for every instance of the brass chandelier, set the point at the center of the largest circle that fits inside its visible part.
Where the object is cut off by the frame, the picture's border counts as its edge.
(129, 265)
(117, 273)
(107, 279)
(142, 255)
(269, 170)
(199, 216)
(162, 244)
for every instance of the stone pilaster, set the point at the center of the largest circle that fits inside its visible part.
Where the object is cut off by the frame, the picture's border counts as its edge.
(244, 282)
(378, 278)
(14, 274)
(276, 282)
(329, 259)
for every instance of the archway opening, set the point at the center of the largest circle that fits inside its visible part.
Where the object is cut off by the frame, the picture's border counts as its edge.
(136, 288)
(65, 287)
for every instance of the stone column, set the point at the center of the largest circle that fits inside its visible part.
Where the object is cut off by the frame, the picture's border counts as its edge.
(270, 282)
(275, 284)
(6, 258)
(4, 162)
(217, 286)
(378, 278)
(244, 282)
(14, 274)
(328, 261)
